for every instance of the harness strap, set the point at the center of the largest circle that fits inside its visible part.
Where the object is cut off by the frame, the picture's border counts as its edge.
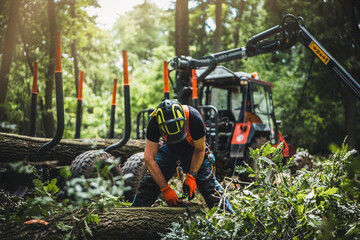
(188, 137)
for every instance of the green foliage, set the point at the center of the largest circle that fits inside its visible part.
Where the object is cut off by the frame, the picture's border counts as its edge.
(308, 97)
(82, 197)
(323, 204)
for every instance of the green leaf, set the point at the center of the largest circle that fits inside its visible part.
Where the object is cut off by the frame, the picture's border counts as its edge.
(330, 191)
(268, 149)
(300, 209)
(63, 227)
(51, 187)
(240, 169)
(267, 160)
(87, 229)
(93, 218)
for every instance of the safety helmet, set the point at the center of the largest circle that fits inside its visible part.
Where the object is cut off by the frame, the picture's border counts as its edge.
(171, 120)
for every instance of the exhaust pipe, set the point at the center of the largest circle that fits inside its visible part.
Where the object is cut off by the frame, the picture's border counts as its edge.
(127, 106)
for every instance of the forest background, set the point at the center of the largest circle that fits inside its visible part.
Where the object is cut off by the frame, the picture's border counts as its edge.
(314, 106)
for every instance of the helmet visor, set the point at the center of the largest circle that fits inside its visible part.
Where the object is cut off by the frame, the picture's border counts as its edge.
(174, 130)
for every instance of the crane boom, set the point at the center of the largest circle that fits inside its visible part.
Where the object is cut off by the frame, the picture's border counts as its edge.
(287, 34)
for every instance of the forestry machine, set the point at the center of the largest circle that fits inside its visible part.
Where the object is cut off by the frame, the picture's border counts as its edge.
(237, 107)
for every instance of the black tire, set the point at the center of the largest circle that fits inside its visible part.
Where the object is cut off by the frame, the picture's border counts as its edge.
(83, 164)
(136, 166)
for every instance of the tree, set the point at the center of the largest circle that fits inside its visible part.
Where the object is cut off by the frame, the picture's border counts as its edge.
(218, 30)
(48, 116)
(73, 47)
(9, 46)
(182, 28)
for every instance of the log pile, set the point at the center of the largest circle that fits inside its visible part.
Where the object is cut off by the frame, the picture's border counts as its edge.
(120, 223)
(19, 148)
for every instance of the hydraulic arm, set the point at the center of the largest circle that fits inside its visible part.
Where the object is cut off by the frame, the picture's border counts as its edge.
(284, 36)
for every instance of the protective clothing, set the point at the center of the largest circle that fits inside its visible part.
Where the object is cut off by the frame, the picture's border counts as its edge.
(170, 196)
(190, 186)
(171, 120)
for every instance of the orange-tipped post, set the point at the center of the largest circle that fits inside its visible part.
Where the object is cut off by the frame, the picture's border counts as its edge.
(35, 77)
(114, 92)
(58, 52)
(79, 106)
(127, 107)
(59, 103)
(194, 86)
(166, 80)
(34, 100)
(125, 67)
(81, 82)
(112, 114)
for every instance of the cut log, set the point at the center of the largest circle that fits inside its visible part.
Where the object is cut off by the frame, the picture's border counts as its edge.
(121, 223)
(18, 148)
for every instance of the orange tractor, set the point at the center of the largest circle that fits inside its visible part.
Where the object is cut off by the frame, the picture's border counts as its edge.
(237, 107)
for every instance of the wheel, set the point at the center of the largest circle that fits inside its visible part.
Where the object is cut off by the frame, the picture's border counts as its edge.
(83, 164)
(135, 165)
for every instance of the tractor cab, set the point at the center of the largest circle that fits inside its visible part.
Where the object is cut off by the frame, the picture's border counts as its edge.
(238, 110)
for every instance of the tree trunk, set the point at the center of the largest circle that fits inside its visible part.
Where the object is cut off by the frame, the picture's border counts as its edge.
(73, 49)
(48, 116)
(121, 223)
(218, 30)
(25, 46)
(236, 34)
(9, 46)
(18, 148)
(182, 28)
(350, 118)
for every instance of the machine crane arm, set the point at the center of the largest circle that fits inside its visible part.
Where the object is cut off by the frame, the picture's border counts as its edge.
(285, 35)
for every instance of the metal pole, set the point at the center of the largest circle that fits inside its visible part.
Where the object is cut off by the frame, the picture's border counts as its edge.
(194, 89)
(127, 107)
(79, 106)
(166, 80)
(113, 105)
(34, 101)
(59, 104)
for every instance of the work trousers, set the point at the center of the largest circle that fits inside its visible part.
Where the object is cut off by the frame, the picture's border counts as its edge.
(168, 160)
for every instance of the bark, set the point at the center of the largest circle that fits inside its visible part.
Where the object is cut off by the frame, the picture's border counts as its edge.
(182, 28)
(18, 148)
(73, 49)
(9, 46)
(350, 118)
(48, 116)
(236, 34)
(351, 111)
(25, 46)
(121, 223)
(218, 30)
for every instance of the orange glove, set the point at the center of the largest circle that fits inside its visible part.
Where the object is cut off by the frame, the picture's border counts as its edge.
(190, 186)
(170, 196)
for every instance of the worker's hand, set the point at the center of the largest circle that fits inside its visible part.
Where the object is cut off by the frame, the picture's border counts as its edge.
(190, 186)
(170, 196)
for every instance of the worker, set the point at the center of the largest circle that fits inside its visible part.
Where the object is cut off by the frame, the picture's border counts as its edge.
(183, 133)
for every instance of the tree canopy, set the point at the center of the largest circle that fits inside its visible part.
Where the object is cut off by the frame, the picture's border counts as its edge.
(315, 108)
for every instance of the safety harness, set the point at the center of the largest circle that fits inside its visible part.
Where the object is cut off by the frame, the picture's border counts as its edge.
(188, 137)
(208, 152)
